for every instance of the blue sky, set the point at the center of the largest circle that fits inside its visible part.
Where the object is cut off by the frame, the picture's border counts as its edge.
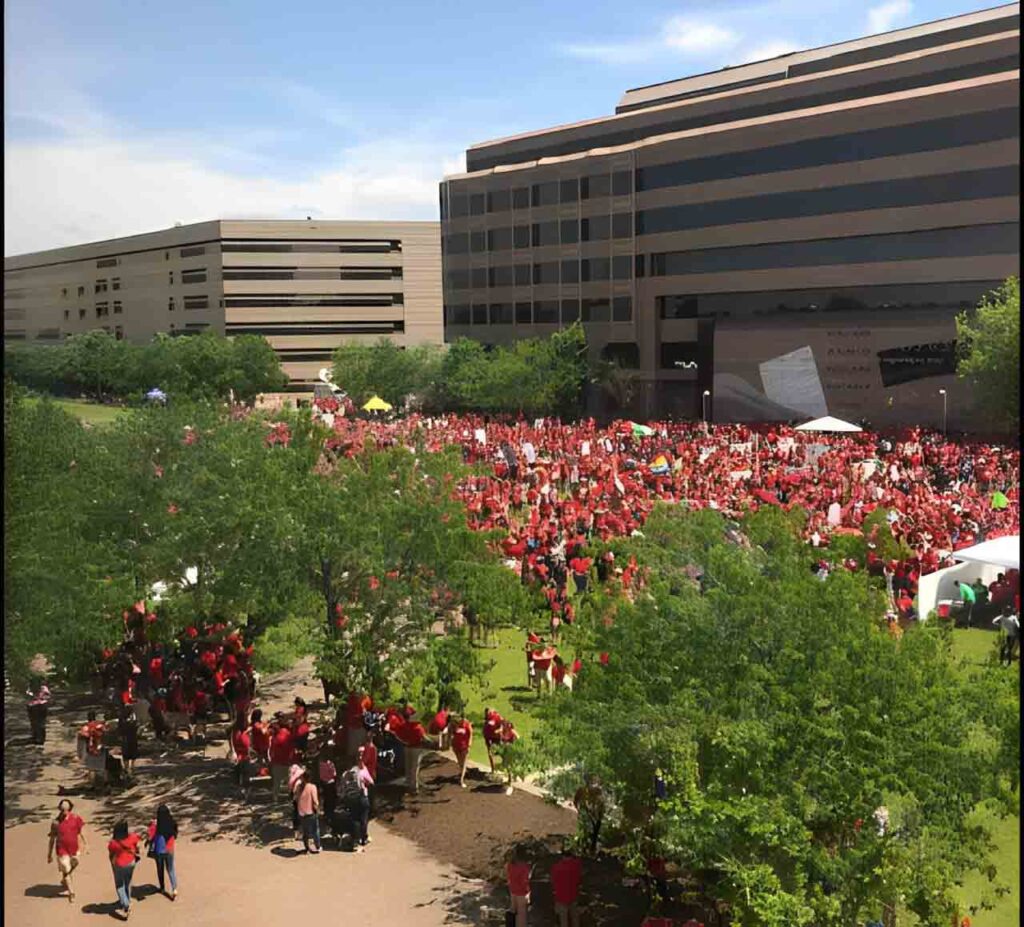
(124, 117)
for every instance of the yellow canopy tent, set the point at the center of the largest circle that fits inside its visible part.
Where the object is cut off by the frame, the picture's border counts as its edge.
(376, 404)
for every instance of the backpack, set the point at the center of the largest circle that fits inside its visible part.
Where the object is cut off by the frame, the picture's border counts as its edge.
(349, 788)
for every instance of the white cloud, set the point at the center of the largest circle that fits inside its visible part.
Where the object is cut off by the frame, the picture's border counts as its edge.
(694, 38)
(766, 51)
(888, 16)
(85, 189)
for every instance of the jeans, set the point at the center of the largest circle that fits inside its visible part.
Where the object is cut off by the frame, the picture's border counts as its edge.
(123, 884)
(166, 861)
(362, 815)
(310, 830)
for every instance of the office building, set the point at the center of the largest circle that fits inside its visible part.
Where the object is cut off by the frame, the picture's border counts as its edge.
(306, 286)
(777, 240)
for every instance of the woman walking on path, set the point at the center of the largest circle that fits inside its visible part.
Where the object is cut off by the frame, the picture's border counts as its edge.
(66, 834)
(161, 840)
(124, 854)
(128, 729)
(461, 738)
(307, 803)
(38, 706)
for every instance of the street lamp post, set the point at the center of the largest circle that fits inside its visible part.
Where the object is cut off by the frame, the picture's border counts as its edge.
(704, 403)
(942, 393)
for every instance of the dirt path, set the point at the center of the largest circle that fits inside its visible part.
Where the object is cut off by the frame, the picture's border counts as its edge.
(233, 862)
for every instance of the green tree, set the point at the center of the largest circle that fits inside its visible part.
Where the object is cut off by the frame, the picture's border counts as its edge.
(387, 370)
(989, 347)
(782, 715)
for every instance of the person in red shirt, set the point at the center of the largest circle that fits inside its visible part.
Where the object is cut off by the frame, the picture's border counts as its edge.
(124, 854)
(492, 734)
(461, 733)
(260, 737)
(508, 735)
(240, 746)
(282, 754)
(566, 876)
(438, 727)
(518, 872)
(354, 730)
(67, 836)
(414, 738)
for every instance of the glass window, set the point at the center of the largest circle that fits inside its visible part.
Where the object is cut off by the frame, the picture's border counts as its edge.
(638, 266)
(569, 191)
(679, 355)
(544, 233)
(115, 284)
(622, 225)
(521, 198)
(545, 273)
(596, 310)
(595, 228)
(677, 307)
(477, 204)
(458, 315)
(501, 313)
(479, 313)
(595, 269)
(521, 236)
(499, 239)
(886, 194)
(545, 194)
(524, 313)
(545, 312)
(999, 238)
(622, 309)
(595, 186)
(458, 243)
(81, 291)
(935, 134)
(622, 267)
(571, 271)
(570, 232)
(477, 242)
(499, 201)
(570, 311)
(478, 275)
(458, 279)
(622, 183)
(502, 275)
(193, 251)
(523, 274)
(460, 205)
(625, 353)
(81, 313)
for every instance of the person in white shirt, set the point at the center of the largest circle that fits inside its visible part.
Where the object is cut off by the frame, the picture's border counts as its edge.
(1009, 624)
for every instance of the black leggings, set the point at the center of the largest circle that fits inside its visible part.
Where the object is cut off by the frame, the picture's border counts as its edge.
(37, 722)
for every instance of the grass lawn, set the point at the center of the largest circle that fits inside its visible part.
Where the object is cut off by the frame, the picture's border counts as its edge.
(90, 412)
(505, 690)
(976, 646)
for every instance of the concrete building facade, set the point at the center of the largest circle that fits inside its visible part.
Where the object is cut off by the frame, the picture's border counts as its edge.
(305, 286)
(775, 240)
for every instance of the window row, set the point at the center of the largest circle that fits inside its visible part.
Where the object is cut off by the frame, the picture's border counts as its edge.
(1000, 238)
(542, 312)
(542, 234)
(335, 246)
(312, 273)
(544, 273)
(284, 300)
(554, 146)
(340, 328)
(549, 193)
(884, 194)
(865, 145)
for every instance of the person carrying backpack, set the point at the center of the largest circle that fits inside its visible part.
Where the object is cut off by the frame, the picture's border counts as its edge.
(161, 838)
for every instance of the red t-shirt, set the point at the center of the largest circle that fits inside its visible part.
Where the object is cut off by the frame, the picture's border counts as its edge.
(412, 734)
(462, 736)
(124, 850)
(354, 711)
(566, 876)
(209, 659)
(260, 738)
(438, 723)
(156, 671)
(282, 748)
(492, 729)
(370, 760)
(240, 743)
(67, 832)
(518, 878)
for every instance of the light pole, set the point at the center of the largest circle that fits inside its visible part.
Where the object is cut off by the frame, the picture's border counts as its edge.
(942, 393)
(704, 403)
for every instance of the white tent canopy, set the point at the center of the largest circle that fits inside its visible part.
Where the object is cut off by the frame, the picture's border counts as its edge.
(828, 423)
(1004, 552)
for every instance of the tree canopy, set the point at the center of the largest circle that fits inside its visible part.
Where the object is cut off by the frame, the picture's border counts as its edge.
(989, 346)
